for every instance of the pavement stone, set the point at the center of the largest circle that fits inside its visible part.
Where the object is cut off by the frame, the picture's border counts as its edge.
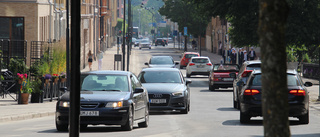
(12, 111)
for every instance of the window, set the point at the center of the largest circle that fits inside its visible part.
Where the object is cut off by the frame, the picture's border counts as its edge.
(12, 28)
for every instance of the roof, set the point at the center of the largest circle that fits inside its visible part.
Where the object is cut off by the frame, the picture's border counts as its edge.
(201, 57)
(160, 69)
(190, 53)
(289, 71)
(99, 72)
(253, 62)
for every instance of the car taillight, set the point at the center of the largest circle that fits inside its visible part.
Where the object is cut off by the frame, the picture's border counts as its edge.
(251, 92)
(191, 64)
(298, 92)
(246, 73)
(209, 64)
(216, 79)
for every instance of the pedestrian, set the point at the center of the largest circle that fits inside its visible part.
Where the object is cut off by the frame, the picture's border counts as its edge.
(223, 54)
(90, 59)
(194, 44)
(252, 54)
(100, 56)
(245, 56)
(233, 56)
(240, 56)
(220, 48)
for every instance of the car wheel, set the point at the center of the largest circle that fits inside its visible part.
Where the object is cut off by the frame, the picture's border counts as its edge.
(139, 48)
(61, 127)
(129, 124)
(244, 118)
(235, 103)
(188, 75)
(304, 119)
(149, 48)
(164, 45)
(83, 126)
(185, 111)
(146, 119)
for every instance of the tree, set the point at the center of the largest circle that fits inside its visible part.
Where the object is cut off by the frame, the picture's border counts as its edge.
(272, 21)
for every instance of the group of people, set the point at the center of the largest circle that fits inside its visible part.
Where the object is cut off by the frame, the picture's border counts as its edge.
(231, 55)
(91, 57)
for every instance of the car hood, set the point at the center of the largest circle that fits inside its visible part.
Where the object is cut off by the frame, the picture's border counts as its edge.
(99, 96)
(162, 66)
(164, 87)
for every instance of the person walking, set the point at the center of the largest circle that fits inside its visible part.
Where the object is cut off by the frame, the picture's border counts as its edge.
(252, 54)
(100, 56)
(245, 56)
(240, 56)
(223, 54)
(90, 59)
(233, 56)
(194, 44)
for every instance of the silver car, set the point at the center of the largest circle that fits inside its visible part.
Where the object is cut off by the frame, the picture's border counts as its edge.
(144, 43)
(199, 66)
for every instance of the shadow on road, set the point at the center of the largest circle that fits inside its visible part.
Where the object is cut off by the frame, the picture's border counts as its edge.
(227, 109)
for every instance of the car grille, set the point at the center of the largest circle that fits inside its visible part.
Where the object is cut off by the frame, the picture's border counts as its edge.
(160, 96)
(91, 105)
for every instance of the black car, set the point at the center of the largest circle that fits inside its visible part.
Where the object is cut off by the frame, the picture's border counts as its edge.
(161, 62)
(167, 88)
(244, 72)
(160, 41)
(298, 97)
(107, 98)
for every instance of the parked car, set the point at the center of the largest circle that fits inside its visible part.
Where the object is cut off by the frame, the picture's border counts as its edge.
(167, 89)
(199, 66)
(161, 61)
(186, 57)
(107, 98)
(159, 41)
(165, 40)
(244, 72)
(298, 97)
(144, 43)
(219, 76)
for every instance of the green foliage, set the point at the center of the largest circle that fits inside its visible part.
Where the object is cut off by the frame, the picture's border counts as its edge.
(36, 85)
(18, 66)
(27, 87)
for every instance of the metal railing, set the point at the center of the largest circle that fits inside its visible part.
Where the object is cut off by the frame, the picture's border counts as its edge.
(310, 70)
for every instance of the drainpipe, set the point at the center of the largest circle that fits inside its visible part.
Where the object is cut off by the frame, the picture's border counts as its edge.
(50, 21)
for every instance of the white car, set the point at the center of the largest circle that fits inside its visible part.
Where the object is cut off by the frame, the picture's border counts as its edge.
(199, 66)
(144, 43)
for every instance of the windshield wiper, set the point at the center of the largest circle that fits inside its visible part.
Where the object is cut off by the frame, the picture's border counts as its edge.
(110, 90)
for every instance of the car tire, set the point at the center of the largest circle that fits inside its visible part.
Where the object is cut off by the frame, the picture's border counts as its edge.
(244, 118)
(140, 48)
(149, 48)
(164, 45)
(185, 111)
(211, 88)
(62, 127)
(304, 119)
(235, 103)
(188, 75)
(146, 120)
(129, 124)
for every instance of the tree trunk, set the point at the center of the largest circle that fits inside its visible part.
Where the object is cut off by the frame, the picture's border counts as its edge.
(272, 20)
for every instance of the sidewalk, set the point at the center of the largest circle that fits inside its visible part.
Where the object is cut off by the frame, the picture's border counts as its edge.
(11, 111)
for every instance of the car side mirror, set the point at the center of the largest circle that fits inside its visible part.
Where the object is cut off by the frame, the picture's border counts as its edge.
(176, 63)
(233, 75)
(188, 81)
(240, 83)
(146, 63)
(308, 84)
(138, 90)
(63, 89)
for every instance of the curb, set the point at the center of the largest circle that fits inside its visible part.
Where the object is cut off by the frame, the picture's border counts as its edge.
(25, 116)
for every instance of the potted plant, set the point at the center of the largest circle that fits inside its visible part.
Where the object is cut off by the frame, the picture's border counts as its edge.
(63, 77)
(25, 91)
(55, 78)
(21, 77)
(37, 92)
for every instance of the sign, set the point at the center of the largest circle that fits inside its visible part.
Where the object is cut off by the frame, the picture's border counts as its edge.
(185, 31)
(162, 24)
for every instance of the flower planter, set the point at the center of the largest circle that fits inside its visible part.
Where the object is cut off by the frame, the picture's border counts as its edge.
(63, 80)
(36, 98)
(24, 98)
(20, 81)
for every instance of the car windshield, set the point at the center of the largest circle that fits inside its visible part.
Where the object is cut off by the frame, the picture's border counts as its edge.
(200, 60)
(226, 67)
(161, 60)
(160, 77)
(292, 80)
(144, 41)
(104, 83)
(191, 55)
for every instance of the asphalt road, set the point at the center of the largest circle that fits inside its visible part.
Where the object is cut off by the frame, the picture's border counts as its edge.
(211, 115)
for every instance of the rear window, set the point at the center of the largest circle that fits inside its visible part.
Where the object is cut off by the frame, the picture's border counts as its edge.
(161, 60)
(203, 60)
(191, 55)
(292, 80)
(254, 67)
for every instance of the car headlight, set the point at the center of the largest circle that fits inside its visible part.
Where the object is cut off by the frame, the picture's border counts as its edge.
(177, 94)
(114, 104)
(64, 104)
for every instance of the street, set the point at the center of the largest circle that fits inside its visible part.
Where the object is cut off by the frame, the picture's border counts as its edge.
(211, 114)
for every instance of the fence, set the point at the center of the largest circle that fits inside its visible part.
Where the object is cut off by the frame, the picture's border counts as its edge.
(51, 88)
(311, 70)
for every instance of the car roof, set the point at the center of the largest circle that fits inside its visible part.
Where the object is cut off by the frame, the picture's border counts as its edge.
(190, 53)
(103, 72)
(160, 56)
(289, 71)
(201, 57)
(253, 62)
(160, 69)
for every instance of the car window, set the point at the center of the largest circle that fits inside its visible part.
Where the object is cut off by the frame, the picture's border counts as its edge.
(200, 60)
(104, 82)
(226, 67)
(191, 55)
(292, 80)
(254, 67)
(161, 60)
(160, 77)
(256, 80)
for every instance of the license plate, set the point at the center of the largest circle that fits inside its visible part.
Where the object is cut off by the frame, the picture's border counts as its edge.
(228, 79)
(158, 101)
(200, 66)
(89, 113)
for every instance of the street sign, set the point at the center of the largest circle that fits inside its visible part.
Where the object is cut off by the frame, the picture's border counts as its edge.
(185, 31)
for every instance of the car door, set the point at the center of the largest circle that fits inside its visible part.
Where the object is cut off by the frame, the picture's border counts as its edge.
(139, 98)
